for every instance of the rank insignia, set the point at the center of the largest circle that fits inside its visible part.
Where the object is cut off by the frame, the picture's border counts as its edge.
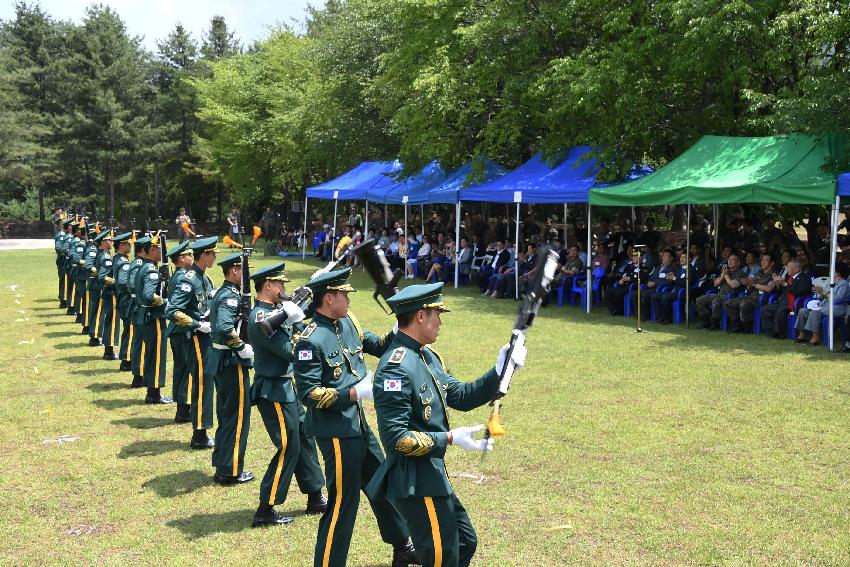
(308, 330)
(260, 316)
(427, 413)
(397, 356)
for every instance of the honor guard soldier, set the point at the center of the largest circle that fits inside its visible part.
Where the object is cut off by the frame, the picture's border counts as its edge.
(181, 380)
(150, 321)
(59, 247)
(92, 291)
(107, 327)
(64, 251)
(413, 391)
(189, 311)
(77, 262)
(120, 269)
(71, 267)
(273, 392)
(136, 330)
(332, 379)
(227, 362)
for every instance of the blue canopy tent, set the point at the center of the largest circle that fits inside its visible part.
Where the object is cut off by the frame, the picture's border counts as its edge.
(351, 185)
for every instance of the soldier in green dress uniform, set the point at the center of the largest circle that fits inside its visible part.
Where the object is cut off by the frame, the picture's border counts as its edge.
(181, 380)
(107, 327)
(132, 309)
(89, 271)
(150, 321)
(62, 224)
(67, 249)
(273, 392)
(189, 311)
(79, 286)
(413, 391)
(228, 361)
(120, 269)
(332, 380)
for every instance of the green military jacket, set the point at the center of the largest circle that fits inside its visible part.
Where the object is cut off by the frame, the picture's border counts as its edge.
(189, 301)
(68, 250)
(104, 270)
(224, 318)
(121, 273)
(413, 391)
(132, 276)
(78, 248)
(59, 246)
(273, 369)
(328, 362)
(172, 285)
(150, 305)
(89, 260)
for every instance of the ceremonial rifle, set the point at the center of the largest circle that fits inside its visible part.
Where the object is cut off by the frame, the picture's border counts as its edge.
(539, 283)
(302, 298)
(375, 262)
(245, 293)
(164, 269)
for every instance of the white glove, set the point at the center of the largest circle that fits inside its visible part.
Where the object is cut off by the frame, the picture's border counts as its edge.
(246, 352)
(294, 313)
(363, 389)
(518, 356)
(395, 328)
(204, 327)
(463, 438)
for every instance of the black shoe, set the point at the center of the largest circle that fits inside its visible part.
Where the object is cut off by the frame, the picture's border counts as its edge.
(94, 341)
(138, 382)
(126, 366)
(404, 554)
(85, 330)
(79, 319)
(63, 304)
(268, 516)
(158, 399)
(316, 503)
(200, 440)
(184, 414)
(109, 353)
(70, 311)
(244, 476)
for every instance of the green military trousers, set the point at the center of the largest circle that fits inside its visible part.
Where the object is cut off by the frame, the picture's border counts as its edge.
(201, 385)
(60, 270)
(443, 534)
(350, 464)
(136, 349)
(70, 292)
(127, 330)
(154, 352)
(93, 310)
(80, 298)
(233, 408)
(181, 381)
(296, 453)
(108, 322)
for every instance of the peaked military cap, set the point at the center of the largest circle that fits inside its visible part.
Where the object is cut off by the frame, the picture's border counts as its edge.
(104, 235)
(416, 297)
(331, 281)
(124, 236)
(67, 221)
(178, 250)
(230, 260)
(143, 241)
(205, 244)
(273, 272)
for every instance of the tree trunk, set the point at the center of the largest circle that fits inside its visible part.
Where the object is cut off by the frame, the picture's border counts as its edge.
(679, 215)
(111, 212)
(156, 189)
(41, 204)
(218, 203)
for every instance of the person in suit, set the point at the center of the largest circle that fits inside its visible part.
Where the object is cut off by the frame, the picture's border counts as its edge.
(796, 284)
(664, 301)
(809, 320)
(500, 260)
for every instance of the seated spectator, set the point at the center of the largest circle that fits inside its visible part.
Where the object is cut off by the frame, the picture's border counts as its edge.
(571, 267)
(527, 261)
(384, 240)
(740, 311)
(616, 269)
(600, 259)
(501, 257)
(663, 275)
(809, 320)
(496, 283)
(664, 301)
(410, 249)
(774, 317)
(751, 264)
(464, 257)
(423, 256)
(632, 272)
(442, 258)
(709, 307)
(649, 258)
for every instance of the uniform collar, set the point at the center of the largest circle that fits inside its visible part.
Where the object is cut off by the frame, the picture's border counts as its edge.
(264, 304)
(319, 318)
(408, 341)
(228, 283)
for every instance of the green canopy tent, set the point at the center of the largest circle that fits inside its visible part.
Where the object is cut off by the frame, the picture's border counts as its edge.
(725, 169)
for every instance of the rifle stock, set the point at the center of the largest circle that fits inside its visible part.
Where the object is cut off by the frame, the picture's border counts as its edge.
(375, 262)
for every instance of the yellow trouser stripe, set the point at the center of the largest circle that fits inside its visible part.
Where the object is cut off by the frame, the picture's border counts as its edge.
(283, 442)
(85, 301)
(112, 338)
(97, 320)
(238, 423)
(130, 339)
(157, 369)
(337, 501)
(435, 531)
(200, 382)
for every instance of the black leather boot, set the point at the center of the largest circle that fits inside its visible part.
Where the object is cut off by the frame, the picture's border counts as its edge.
(184, 414)
(63, 304)
(316, 503)
(404, 554)
(155, 397)
(267, 516)
(109, 353)
(244, 476)
(94, 341)
(138, 382)
(126, 366)
(85, 330)
(200, 440)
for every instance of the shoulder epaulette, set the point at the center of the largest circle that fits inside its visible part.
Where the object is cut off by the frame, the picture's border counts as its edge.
(308, 330)
(357, 326)
(189, 275)
(397, 356)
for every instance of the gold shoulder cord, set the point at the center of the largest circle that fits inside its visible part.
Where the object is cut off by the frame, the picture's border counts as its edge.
(357, 325)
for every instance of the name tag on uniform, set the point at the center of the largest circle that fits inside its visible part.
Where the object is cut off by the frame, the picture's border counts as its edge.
(392, 385)
(305, 355)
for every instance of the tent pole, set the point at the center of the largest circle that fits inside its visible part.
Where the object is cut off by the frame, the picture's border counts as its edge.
(634, 228)
(833, 245)
(333, 233)
(688, 270)
(366, 222)
(589, 280)
(304, 241)
(422, 217)
(565, 225)
(406, 240)
(716, 230)
(516, 255)
(457, 243)
(386, 216)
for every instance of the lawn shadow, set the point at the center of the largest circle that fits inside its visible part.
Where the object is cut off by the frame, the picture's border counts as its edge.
(66, 346)
(45, 300)
(91, 371)
(57, 308)
(178, 484)
(203, 525)
(56, 334)
(144, 422)
(151, 448)
(106, 386)
(78, 358)
(116, 404)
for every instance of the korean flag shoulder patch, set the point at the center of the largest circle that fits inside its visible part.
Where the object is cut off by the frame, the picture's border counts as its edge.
(305, 354)
(392, 385)
(396, 357)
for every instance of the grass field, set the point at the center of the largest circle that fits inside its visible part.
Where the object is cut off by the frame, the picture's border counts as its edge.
(671, 447)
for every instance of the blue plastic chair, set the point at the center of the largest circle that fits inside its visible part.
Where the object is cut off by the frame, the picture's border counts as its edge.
(791, 322)
(653, 316)
(580, 288)
(842, 326)
(627, 301)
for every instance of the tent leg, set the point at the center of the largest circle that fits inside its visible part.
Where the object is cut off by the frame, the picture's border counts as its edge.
(304, 241)
(688, 270)
(589, 280)
(716, 250)
(457, 243)
(516, 255)
(566, 211)
(634, 228)
(422, 217)
(366, 222)
(333, 231)
(386, 215)
(833, 245)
